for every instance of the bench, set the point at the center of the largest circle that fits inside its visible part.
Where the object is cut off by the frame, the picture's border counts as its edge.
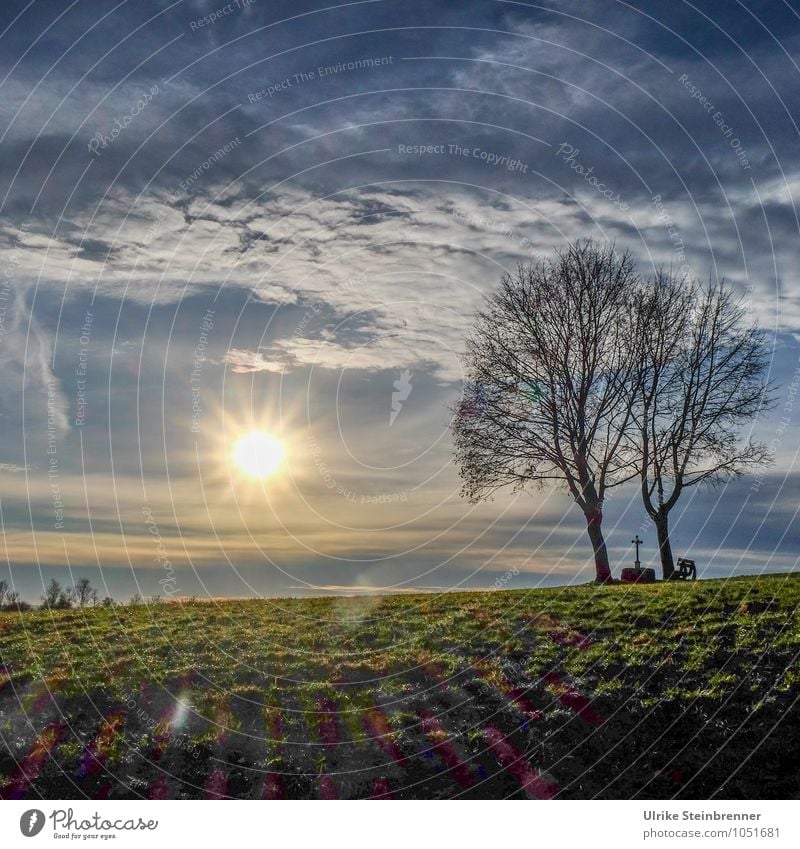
(686, 571)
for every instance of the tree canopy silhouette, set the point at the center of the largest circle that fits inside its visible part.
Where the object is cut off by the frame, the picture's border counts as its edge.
(549, 371)
(703, 379)
(580, 373)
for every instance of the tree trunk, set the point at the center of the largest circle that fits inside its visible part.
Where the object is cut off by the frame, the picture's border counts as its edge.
(664, 547)
(594, 520)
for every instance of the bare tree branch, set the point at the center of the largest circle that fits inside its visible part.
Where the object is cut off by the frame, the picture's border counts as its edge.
(702, 380)
(549, 367)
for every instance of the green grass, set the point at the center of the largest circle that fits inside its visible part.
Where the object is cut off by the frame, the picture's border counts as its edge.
(696, 685)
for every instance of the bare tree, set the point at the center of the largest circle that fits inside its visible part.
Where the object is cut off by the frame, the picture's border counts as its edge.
(84, 592)
(3, 592)
(703, 378)
(14, 602)
(52, 594)
(549, 368)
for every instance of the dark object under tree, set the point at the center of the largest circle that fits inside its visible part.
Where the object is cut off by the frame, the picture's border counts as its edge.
(686, 571)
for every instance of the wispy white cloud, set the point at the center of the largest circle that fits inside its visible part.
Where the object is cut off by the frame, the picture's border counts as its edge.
(246, 362)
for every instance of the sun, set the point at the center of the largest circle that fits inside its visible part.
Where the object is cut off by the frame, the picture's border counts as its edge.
(259, 454)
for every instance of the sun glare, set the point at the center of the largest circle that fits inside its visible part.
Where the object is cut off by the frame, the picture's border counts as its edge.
(259, 454)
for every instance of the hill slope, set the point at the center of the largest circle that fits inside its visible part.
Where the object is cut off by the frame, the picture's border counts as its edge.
(685, 690)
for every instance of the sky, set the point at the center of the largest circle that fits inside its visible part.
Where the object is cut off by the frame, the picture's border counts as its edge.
(219, 218)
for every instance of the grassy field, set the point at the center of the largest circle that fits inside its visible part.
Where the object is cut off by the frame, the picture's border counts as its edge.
(673, 690)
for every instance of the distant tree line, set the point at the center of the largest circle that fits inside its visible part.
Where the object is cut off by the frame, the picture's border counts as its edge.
(11, 600)
(583, 373)
(58, 597)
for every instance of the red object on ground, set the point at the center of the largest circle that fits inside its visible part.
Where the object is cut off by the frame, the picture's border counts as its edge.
(381, 789)
(327, 789)
(561, 632)
(572, 698)
(375, 724)
(445, 749)
(530, 779)
(28, 771)
(630, 575)
(328, 729)
(216, 785)
(570, 640)
(519, 697)
(96, 754)
(273, 787)
(158, 789)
